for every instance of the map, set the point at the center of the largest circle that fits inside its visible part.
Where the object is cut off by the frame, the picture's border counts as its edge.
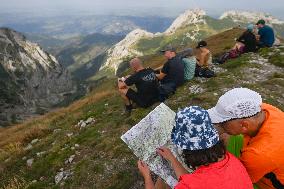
(150, 133)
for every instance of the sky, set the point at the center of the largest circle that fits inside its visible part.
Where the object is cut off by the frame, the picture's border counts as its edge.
(168, 7)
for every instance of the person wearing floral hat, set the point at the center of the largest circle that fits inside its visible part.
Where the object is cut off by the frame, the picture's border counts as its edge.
(204, 152)
(241, 111)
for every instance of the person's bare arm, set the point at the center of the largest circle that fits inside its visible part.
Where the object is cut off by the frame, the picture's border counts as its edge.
(158, 68)
(257, 37)
(177, 166)
(205, 60)
(200, 60)
(145, 172)
(121, 84)
(161, 75)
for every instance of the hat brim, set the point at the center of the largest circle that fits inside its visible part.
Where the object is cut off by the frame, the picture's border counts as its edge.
(216, 117)
(165, 50)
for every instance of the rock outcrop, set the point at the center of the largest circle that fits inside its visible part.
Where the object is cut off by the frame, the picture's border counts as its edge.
(124, 49)
(31, 80)
(195, 16)
(247, 17)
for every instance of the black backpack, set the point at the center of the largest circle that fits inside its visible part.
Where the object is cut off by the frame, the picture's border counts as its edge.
(203, 72)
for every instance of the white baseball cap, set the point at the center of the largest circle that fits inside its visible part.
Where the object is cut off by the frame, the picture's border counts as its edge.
(236, 104)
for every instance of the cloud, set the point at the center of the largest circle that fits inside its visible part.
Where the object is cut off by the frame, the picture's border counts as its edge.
(111, 5)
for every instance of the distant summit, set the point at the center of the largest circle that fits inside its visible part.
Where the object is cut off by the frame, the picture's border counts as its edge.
(248, 17)
(124, 49)
(195, 16)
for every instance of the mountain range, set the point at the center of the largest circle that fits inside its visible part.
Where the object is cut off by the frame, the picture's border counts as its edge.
(64, 27)
(31, 80)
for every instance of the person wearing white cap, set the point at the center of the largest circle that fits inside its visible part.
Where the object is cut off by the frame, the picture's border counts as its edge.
(241, 111)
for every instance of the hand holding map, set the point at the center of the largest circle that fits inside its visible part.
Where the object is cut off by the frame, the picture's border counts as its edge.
(151, 133)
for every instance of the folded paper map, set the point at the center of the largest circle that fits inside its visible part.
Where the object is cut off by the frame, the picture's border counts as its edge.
(150, 133)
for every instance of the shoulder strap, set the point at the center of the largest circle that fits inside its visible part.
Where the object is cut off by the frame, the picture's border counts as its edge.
(275, 182)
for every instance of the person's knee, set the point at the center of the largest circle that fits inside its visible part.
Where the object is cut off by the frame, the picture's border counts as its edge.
(123, 91)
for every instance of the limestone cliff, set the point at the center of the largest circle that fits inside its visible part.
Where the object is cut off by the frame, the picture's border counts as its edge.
(31, 80)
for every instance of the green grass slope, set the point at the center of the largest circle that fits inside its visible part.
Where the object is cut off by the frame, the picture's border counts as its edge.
(101, 159)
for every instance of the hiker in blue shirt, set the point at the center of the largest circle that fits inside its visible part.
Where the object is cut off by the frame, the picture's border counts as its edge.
(266, 34)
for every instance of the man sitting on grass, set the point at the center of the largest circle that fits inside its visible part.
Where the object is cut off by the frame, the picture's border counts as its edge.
(146, 83)
(265, 34)
(172, 74)
(204, 60)
(173, 70)
(241, 111)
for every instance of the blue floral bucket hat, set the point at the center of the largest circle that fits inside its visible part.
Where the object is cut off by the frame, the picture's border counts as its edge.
(193, 129)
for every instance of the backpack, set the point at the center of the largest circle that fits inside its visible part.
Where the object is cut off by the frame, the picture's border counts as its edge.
(203, 72)
(230, 55)
(224, 58)
(189, 67)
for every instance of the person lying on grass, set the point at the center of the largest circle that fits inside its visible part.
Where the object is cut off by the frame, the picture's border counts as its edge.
(203, 152)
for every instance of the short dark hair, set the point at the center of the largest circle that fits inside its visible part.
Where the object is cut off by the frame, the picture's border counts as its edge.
(196, 158)
(261, 22)
(201, 44)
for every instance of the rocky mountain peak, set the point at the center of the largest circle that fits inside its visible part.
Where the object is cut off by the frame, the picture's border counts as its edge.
(30, 79)
(246, 16)
(8, 34)
(188, 17)
(124, 49)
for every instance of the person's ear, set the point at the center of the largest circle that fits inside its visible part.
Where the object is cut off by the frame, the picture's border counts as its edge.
(245, 126)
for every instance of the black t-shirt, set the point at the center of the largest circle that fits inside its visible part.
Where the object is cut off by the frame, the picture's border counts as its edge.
(174, 70)
(146, 83)
(249, 40)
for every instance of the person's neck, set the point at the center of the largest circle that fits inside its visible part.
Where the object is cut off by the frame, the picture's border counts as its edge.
(260, 122)
(262, 118)
(222, 158)
(139, 69)
(172, 57)
(204, 50)
(219, 159)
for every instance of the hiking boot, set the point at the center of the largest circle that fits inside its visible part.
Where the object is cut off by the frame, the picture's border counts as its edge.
(128, 109)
